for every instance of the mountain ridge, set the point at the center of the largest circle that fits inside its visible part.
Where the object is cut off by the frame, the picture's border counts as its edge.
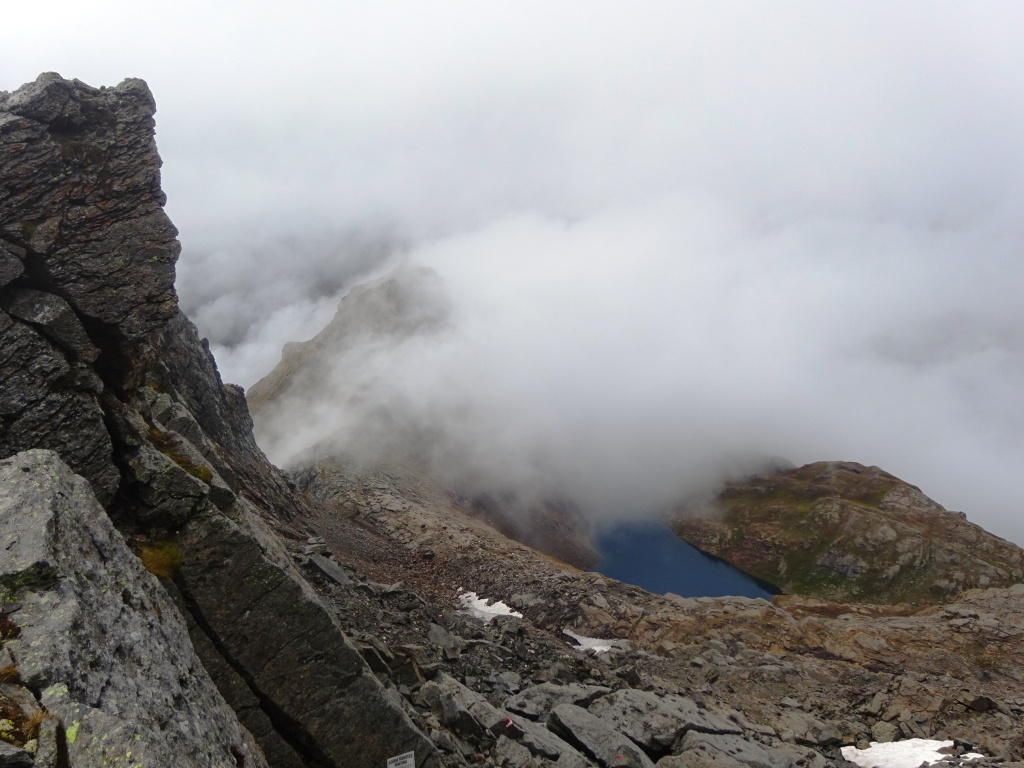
(168, 596)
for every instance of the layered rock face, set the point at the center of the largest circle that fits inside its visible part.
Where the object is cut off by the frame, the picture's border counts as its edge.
(100, 366)
(846, 532)
(83, 242)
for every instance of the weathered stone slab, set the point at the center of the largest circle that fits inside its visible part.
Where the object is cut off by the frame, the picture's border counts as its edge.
(511, 754)
(543, 743)
(695, 759)
(595, 739)
(741, 750)
(537, 701)
(54, 315)
(463, 710)
(657, 722)
(168, 491)
(11, 265)
(13, 757)
(271, 627)
(331, 570)
(48, 402)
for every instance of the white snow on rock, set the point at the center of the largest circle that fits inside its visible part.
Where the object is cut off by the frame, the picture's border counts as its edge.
(909, 753)
(590, 643)
(480, 608)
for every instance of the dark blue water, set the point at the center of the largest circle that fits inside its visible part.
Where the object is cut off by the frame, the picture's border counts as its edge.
(650, 556)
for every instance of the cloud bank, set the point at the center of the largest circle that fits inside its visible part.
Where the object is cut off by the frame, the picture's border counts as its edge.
(633, 355)
(670, 232)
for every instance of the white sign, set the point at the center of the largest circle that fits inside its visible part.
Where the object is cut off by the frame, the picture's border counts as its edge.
(408, 760)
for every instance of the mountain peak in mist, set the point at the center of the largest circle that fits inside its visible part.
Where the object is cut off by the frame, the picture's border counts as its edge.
(403, 303)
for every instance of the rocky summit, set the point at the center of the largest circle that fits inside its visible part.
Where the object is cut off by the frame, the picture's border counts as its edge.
(169, 597)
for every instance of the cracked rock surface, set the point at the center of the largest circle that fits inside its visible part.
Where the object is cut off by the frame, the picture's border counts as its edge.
(97, 641)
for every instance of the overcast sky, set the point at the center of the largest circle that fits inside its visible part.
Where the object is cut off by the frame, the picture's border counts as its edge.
(671, 231)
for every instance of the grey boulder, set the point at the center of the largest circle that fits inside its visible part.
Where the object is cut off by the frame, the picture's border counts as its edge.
(537, 701)
(657, 722)
(748, 753)
(99, 639)
(595, 739)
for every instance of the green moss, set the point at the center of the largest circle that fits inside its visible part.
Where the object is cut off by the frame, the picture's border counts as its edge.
(196, 470)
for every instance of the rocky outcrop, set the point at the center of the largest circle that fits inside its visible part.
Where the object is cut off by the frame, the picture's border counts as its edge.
(49, 398)
(596, 739)
(397, 307)
(95, 642)
(291, 653)
(556, 529)
(100, 366)
(82, 204)
(90, 263)
(658, 722)
(846, 532)
(89, 322)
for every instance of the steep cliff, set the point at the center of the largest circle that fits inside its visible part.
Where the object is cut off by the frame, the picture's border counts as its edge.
(100, 366)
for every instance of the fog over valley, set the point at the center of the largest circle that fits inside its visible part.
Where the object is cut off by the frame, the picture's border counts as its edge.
(642, 247)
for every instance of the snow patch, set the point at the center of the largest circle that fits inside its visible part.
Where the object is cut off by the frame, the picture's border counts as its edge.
(483, 608)
(589, 643)
(909, 753)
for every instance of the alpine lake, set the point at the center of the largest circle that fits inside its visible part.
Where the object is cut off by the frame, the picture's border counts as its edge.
(649, 555)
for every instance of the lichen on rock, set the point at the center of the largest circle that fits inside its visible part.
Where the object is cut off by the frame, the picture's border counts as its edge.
(98, 638)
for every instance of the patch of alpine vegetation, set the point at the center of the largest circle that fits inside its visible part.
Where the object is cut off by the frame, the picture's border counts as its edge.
(849, 533)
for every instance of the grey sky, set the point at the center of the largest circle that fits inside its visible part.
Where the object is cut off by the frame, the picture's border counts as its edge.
(671, 231)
